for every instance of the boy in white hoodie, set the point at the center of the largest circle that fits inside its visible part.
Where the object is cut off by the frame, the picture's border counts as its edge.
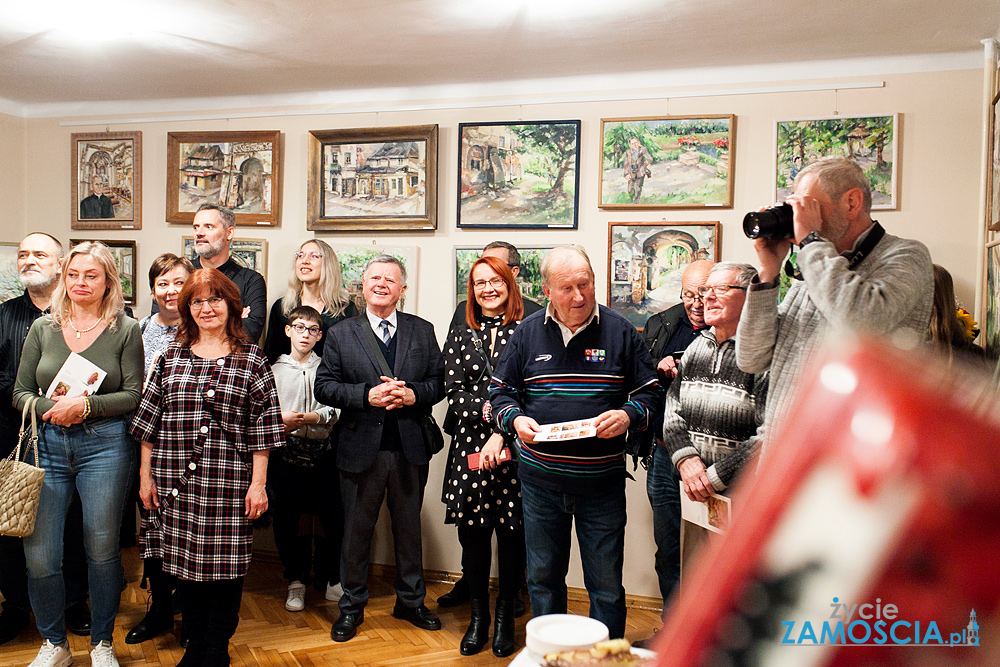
(303, 475)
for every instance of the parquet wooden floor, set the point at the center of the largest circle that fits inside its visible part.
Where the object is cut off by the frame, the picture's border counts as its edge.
(269, 636)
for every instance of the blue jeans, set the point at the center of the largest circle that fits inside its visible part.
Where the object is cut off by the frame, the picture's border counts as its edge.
(99, 461)
(600, 531)
(662, 481)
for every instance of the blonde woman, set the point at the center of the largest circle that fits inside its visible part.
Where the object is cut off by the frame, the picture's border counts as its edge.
(317, 282)
(83, 445)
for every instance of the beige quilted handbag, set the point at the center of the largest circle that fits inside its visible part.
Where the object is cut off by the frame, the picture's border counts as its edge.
(21, 482)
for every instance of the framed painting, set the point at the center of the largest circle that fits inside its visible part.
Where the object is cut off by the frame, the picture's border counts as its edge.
(654, 254)
(529, 278)
(993, 191)
(991, 327)
(249, 253)
(373, 179)
(667, 162)
(871, 141)
(106, 180)
(519, 175)
(10, 283)
(240, 170)
(125, 259)
(354, 258)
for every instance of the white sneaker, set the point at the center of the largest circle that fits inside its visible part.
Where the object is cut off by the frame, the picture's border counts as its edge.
(334, 592)
(296, 596)
(103, 655)
(51, 655)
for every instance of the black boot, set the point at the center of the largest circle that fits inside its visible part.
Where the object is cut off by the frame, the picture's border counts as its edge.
(459, 594)
(479, 627)
(160, 616)
(503, 628)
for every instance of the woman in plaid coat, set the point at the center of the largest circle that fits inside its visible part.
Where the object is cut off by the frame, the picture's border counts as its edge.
(208, 417)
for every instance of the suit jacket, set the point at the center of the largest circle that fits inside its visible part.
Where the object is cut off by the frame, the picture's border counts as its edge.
(349, 371)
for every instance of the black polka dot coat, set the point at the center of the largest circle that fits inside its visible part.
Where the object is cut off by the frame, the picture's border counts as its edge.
(476, 497)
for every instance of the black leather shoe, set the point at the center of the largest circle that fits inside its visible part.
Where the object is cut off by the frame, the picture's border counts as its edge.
(157, 620)
(520, 609)
(459, 594)
(12, 622)
(479, 628)
(347, 625)
(421, 617)
(78, 618)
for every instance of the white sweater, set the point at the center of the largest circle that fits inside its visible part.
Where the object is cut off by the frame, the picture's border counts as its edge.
(295, 392)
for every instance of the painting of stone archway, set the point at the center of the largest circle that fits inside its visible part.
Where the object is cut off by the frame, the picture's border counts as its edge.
(106, 180)
(239, 170)
(646, 260)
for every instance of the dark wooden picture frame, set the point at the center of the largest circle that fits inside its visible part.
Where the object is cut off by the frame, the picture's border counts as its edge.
(114, 159)
(126, 257)
(373, 179)
(653, 255)
(241, 170)
(519, 175)
(993, 183)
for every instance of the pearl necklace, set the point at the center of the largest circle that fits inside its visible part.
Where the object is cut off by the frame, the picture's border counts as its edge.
(83, 331)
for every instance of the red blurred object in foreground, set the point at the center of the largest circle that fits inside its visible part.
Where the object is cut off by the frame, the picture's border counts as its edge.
(880, 489)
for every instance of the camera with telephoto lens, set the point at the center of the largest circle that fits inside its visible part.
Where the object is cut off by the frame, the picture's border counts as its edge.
(771, 223)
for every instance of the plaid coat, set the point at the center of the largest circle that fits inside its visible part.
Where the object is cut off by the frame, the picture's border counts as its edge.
(205, 418)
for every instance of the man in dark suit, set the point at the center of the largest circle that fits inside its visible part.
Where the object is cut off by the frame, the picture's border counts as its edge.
(380, 444)
(98, 204)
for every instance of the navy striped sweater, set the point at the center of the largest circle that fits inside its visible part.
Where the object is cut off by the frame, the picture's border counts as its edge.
(604, 367)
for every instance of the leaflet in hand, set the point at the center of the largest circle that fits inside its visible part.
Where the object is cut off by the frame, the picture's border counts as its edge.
(581, 428)
(712, 514)
(77, 377)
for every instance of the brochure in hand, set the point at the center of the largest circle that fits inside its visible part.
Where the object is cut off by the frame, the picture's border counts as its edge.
(77, 377)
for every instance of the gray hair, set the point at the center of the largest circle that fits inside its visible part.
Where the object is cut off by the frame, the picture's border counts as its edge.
(513, 256)
(747, 271)
(226, 215)
(836, 175)
(560, 255)
(383, 258)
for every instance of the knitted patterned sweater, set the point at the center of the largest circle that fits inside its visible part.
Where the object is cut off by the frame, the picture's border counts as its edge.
(714, 409)
(890, 291)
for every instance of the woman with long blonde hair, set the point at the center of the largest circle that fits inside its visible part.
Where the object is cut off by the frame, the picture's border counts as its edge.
(83, 443)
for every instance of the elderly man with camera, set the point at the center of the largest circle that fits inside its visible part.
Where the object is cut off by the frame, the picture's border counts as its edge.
(854, 276)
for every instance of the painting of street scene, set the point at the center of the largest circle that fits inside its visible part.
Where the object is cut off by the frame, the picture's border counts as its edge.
(529, 278)
(519, 174)
(653, 256)
(669, 162)
(868, 140)
(374, 179)
(354, 258)
(237, 175)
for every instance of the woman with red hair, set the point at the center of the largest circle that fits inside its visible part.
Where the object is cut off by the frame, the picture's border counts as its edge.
(208, 417)
(485, 498)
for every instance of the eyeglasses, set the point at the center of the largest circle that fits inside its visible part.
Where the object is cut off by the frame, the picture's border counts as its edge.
(496, 282)
(301, 328)
(689, 296)
(720, 290)
(308, 255)
(213, 301)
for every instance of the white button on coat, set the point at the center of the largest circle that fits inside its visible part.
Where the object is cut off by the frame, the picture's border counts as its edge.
(204, 429)
(192, 465)
(210, 393)
(221, 362)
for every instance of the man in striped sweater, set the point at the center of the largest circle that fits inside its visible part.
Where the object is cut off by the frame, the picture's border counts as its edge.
(575, 360)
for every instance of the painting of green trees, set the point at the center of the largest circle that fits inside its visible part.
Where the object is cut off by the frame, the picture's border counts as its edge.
(868, 140)
(519, 174)
(668, 162)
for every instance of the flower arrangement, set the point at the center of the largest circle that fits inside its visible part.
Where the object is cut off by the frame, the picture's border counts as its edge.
(722, 143)
(689, 143)
(969, 322)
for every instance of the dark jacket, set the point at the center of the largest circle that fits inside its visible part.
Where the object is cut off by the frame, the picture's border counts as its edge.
(16, 317)
(660, 328)
(349, 371)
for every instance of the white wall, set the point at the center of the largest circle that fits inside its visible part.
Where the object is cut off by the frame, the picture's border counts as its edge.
(938, 204)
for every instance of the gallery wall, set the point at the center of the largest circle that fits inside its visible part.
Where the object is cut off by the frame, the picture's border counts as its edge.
(939, 156)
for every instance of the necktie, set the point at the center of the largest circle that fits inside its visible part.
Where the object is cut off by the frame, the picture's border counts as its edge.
(385, 331)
